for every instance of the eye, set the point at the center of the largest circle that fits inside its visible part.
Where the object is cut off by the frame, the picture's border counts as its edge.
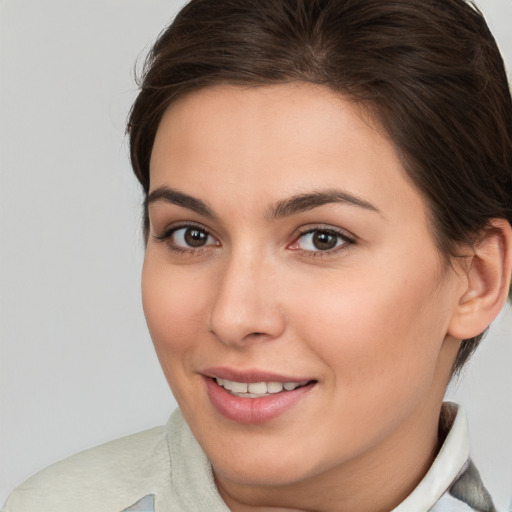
(321, 240)
(190, 237)
(187, 238)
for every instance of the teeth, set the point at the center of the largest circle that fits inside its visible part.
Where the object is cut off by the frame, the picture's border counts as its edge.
(275, 387)
(239, 387)
(257, 389)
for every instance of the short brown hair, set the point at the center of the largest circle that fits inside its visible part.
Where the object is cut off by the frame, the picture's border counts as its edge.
(429, 70)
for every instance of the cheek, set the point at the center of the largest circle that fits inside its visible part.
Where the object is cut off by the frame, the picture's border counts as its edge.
(379, 344)
(174, 311)
(375, 333)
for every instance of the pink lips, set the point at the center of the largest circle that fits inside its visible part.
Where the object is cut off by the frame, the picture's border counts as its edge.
(252, 410)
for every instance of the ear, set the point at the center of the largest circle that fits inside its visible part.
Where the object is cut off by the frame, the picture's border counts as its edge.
(487, 280)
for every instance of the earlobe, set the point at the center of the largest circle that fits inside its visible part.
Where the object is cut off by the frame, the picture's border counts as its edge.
(487, 276)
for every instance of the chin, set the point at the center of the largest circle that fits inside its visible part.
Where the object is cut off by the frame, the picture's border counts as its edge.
(265, 462)
(262, 473)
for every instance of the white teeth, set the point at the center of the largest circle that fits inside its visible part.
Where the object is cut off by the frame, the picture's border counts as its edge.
(257, 389)
(241, 387)
(275, 387)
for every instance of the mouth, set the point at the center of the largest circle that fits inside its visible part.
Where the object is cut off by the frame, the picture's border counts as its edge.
(254, 397)
(258, 389)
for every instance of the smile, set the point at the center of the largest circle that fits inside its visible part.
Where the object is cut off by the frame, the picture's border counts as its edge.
(254, 397)
(257, 389)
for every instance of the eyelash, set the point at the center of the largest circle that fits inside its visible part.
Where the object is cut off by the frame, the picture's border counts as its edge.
(346, 240)
(167, 235)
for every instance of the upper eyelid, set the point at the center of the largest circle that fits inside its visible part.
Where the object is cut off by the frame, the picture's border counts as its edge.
(326, 227)
(171, 228)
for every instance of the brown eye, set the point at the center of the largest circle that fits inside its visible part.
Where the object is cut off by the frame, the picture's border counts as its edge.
(321, 240)
(195, 237)
(188, 238)
(324, 240)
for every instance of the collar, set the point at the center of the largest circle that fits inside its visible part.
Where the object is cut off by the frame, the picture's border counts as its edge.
(450, 462)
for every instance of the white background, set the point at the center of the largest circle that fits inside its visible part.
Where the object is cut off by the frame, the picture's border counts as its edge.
(77, 367)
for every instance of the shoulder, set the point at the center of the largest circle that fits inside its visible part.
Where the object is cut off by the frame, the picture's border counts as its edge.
(108, 477)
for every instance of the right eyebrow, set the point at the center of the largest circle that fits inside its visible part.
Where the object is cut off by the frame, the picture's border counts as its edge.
(171, 196)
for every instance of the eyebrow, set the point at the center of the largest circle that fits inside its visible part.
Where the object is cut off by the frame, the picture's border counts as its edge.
(284, 208)
(308, 201)
(171, 196)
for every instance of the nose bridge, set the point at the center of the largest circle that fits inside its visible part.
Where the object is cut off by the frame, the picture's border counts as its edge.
(245, 305)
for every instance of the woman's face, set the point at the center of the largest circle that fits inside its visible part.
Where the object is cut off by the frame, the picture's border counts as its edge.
(290, 258)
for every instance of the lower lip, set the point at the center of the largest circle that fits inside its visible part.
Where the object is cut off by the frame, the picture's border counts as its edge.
(253, 410)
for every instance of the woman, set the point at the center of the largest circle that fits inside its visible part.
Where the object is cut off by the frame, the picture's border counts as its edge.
(327, 217)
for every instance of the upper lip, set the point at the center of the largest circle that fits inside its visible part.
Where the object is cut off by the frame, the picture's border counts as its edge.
(250, 375)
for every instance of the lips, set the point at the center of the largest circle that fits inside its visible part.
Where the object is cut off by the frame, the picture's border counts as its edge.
(254, 397)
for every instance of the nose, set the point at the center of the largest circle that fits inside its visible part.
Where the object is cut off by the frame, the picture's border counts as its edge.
(245, 307)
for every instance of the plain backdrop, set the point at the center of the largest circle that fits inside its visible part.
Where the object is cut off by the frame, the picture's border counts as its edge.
(76, 364)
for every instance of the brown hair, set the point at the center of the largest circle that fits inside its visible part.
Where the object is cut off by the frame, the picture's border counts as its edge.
(429, 70)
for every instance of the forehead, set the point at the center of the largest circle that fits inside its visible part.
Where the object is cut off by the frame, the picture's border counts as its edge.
(264, 143)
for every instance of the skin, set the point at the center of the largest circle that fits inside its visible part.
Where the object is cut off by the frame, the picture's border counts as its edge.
(369, 320)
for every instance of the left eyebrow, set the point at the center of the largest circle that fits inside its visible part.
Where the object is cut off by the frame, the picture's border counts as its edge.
(308, 201)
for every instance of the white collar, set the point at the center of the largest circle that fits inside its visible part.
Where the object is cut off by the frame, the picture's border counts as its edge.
(448, 464)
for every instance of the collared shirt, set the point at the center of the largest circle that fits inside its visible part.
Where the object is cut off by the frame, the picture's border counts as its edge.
(165, 470)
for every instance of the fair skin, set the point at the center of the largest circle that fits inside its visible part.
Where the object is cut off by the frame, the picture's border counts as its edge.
(343, 292)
